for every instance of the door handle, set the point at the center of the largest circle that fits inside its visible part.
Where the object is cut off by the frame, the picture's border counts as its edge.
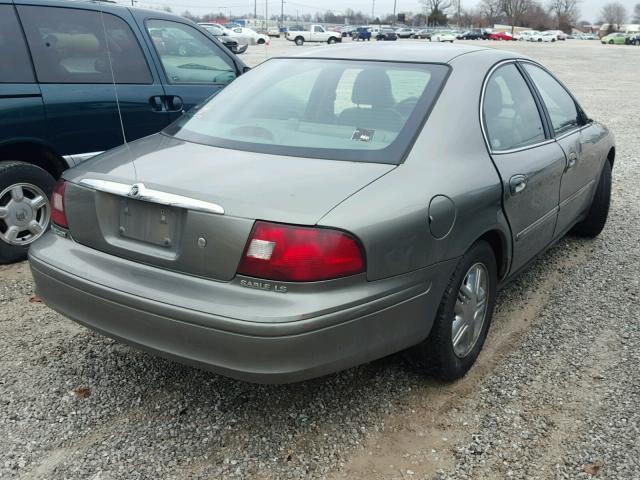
(156, 103)
(517, 184)
(174, 103)
(573, 159)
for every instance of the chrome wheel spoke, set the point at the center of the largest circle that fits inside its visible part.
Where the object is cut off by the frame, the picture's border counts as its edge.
(12, 234)
(34, 227)
(38, 202)
(459, 335)
(17, 194)
(4, 212)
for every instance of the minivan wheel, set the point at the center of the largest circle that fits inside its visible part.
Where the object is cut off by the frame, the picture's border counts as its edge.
(596, 219)
(24, 208)
(463, 318)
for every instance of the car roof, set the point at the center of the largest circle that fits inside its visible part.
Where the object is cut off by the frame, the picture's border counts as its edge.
(401, 52)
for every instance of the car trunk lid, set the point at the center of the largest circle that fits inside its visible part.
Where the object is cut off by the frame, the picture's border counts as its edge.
(172, 221)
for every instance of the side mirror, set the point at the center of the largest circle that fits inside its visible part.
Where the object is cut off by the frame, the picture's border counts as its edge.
(245, 69)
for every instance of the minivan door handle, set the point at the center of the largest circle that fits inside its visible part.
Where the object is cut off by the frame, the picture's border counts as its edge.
(174, 103)
(157, 103)
(517, 184)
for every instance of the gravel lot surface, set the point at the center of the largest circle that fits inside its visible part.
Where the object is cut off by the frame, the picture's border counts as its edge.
(555, 394)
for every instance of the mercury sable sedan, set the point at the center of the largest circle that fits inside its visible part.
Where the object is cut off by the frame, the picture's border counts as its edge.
(366, 200)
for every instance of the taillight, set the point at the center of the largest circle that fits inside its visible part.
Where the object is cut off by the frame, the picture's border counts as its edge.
(300, 254)
(58, 215)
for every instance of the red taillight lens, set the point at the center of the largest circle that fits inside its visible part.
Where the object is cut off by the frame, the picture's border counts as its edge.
(300, 254)
(58, 215)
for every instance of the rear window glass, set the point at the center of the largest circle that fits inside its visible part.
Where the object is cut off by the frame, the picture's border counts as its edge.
(14, 58)
(69, 46)
(333, 109)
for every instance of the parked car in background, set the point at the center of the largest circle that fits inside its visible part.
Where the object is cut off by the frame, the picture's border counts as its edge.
(525, 35)
(633, 39)
(314, 33)
(58, 104)
(232, 44)
(588, 36)
(347, 30)
(547, 37)
(443, 36)
(560, 35)
(387, 34)
(474, 34)
(374, 206)
(423, 33)
(500, 36)
(274, 32)
(405, 32)
(361, 33)
(254, 37)
(616, 38)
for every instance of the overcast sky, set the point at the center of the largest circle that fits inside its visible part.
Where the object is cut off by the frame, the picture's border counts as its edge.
(589, 9)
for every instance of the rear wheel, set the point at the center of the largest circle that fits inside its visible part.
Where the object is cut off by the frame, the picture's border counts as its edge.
(260, 41)
(24, 208)
(463, 317)
(596, 219)
(331, 40)
(299, 41)
(610, 42)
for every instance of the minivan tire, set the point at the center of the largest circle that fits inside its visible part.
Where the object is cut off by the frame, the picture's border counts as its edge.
(436, 355)
(596, 218)
(15, 173)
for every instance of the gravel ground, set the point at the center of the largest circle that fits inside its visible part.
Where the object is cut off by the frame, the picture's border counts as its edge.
(555, 393)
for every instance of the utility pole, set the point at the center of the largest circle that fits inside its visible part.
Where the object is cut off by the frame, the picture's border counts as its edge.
(458, 22)
(266, 14)
(281, 12)
(373, 9)
(255, 9)
(394, 12)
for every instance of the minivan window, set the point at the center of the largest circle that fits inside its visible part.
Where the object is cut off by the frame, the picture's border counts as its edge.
(15, 64)
(188, 56)
(511, 117)
(332, 109)
(69, 46)
(560, 105)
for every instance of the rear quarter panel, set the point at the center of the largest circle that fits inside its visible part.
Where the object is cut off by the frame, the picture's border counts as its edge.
(449, 157)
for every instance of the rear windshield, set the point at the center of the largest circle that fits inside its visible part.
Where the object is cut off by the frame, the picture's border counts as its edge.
(332, 109)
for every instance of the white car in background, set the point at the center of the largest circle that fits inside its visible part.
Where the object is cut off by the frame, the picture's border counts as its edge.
(545, 37)
(525, 35)
(254, 37)
(443, 36)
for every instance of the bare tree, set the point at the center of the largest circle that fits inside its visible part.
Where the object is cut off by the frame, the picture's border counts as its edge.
(614, 14)
(491, 11)
(636, 13)
(436, 10)
(565, 11)
(514, 10)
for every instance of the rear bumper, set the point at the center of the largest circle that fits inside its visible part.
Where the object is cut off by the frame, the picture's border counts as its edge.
(264, 352)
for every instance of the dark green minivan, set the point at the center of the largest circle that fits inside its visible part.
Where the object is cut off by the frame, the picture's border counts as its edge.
(79, 78)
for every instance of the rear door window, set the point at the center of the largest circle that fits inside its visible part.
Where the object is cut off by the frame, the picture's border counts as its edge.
(188, 56)
(15, 64)
(511, 117)
(560, 105)
(69, 46)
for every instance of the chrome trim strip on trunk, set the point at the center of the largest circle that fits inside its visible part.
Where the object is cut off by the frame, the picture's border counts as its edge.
(78, 158)
(138, 191)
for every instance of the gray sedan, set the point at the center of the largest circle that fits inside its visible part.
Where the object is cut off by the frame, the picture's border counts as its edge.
(328, 209)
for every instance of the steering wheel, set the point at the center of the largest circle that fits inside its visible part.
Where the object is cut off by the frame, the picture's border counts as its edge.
(253, 131)
(406, 106)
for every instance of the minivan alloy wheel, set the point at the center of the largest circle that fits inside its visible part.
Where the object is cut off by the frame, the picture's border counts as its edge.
(470, 310)
(24, 214)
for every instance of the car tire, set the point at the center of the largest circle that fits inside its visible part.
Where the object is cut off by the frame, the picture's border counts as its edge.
(596, 218)
(299, 41)
(331, 41)
(610, 42)
(437, 355)
(32, 181)
(636, 42)
(260, 41)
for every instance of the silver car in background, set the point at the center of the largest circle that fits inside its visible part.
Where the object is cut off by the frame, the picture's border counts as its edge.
(328, 209)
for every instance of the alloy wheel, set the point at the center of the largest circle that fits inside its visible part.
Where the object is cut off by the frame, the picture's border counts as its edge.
(24, 214)
(470, 310)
